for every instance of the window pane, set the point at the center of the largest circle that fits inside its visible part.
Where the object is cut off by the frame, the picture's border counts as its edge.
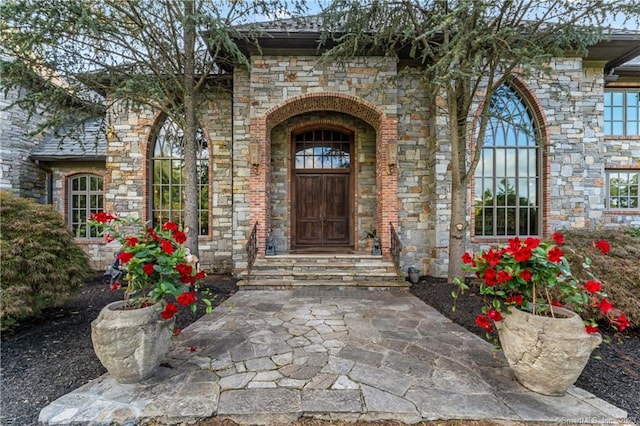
(167, 176)
(623, 189)
(622, 113)
(507, 175)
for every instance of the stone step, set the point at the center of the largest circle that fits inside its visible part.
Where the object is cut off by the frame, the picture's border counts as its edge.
(348, 270)
(253, 283)
(314, 275)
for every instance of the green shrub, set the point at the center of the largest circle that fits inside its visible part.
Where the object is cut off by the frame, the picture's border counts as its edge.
(619, 270)
(633, 231)
(41, 264)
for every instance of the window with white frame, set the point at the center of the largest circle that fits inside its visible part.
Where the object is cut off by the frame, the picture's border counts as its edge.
(507, 180)
(622, 112)
(167, 177)
(622, 189)
(84, 197)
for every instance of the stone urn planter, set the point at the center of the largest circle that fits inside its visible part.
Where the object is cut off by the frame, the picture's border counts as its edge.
(546, 354)
(130, 343)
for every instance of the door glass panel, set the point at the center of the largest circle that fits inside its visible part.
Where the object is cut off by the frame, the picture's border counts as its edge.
(320, 149)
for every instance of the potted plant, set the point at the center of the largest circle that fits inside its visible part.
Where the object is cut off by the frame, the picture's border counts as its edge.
(132, 336)
(533, 301)
(370, 235)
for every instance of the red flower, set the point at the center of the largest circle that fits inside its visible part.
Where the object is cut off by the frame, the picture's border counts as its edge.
(124, 257)
(186, 298)
(484, 322)
(558, 238)
(467, 258)
(514, 244)
(592, 286)
(188, 279)
(170, 226)
(621, 323)
(490, 277)
(605, 306)
(603, 246)
(556, 304)
(180, 237)
(177, 331)
(148, 269)
(525, 275)
(115, 286)
(504, 276)
(193, 349)
(555, 255)
(153, 234)
(523, 254)
(167, 247)
(200, 275)
(492, 257)
(531, 243)
(132, 241)
(169, 311)
(516, 299)
(494, 315)
(591, 329)
(184, 269)
(102, 217)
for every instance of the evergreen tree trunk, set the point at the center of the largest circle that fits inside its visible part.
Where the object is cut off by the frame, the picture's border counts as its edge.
(458, 223)
(192, 200)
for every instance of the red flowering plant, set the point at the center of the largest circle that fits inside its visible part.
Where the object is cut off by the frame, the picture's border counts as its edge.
(158, 268)
(535, 276)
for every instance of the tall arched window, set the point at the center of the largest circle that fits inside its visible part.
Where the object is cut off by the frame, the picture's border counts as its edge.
(167, 177)
(507, 180)
(85, 195)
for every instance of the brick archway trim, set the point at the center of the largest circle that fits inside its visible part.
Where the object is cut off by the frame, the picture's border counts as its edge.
(386, 177)
(325, 101)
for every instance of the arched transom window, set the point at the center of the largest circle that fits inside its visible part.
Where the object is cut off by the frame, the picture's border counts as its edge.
(167, 177)
(507, 179)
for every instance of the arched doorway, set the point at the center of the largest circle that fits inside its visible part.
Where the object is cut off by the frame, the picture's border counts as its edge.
(322, 189)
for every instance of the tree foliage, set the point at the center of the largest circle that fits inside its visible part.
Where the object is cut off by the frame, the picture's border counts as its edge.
(41, 264)
(466, 49)
(165, 54)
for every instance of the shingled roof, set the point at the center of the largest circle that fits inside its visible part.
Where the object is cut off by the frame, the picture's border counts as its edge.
(88, 143)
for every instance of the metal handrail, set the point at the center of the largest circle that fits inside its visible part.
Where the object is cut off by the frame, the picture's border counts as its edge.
(396, 247)
(252, 248)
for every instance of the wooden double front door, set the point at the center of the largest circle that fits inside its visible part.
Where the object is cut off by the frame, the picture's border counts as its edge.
(322, 188)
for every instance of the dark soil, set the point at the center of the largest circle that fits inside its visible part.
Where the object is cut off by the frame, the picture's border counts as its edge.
(45, 358)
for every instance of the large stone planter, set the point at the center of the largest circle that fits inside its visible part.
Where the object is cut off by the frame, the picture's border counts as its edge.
(546, 354)
(131, 344)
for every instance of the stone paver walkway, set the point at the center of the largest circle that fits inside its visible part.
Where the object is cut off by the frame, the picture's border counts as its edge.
(274, 356)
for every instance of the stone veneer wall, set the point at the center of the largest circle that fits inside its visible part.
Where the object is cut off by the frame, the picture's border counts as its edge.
(416, 173)
(242, 171)
(126, 185)
(20, 175)
(363, 175)
(569, 104)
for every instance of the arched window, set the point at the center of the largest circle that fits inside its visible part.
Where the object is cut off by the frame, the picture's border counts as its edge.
(85, 195)
(507, 180)
(167, 177)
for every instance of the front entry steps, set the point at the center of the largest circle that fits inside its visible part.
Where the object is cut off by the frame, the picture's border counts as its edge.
(336, 270)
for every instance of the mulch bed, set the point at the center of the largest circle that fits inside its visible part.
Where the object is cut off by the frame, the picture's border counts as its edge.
(45, 358)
